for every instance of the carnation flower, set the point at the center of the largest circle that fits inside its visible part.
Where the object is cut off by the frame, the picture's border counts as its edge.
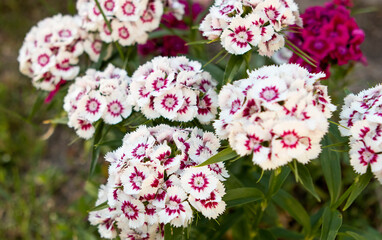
(243, 25)
(361, 119)
(152, 184)
(175, 88)
(130, 20)
(278, 114)
(95, 96)
(330, 36)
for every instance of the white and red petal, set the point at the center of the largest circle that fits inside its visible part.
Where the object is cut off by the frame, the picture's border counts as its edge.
(199, 182)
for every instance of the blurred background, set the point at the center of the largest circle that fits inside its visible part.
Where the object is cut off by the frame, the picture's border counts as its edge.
(44, 191)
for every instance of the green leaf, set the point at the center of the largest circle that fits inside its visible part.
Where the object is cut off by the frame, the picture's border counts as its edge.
(331, 223)
(99, 207)
(37, 104)
(294, 208)
(282, 233)
(277, 179)
(173, 233)
(358, 186)
(135, 119)
(221, 156)
(232, 68)
(102, 55)
(62, 120)
(96, 149)
(331, 168)
(227, 223)
(265, 235)
(355, 236)
(305, 179)
(239, 196)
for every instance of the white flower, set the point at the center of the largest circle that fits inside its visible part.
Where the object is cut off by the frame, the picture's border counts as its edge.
(199, 182)
(98, 95)
(240, 35)
(151, 182)
(174, 88)
(361, 115)
(244, 25)
(50, 51)
(132, 211)
(277, 114)
(131, 20)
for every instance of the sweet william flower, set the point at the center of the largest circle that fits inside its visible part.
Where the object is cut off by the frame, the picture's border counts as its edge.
(361, 117)
(245, 25)
(174, 88)
(277, 114)
(151, 182)
(98, 95)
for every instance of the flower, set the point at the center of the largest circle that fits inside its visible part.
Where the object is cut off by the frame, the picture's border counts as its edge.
(174, 88)
(330, 36)
(151, 182)
(361, 121)
(243, 25)
(51, 50)
(97, 95)
(130, 21)
(172, 45)
(278, 114)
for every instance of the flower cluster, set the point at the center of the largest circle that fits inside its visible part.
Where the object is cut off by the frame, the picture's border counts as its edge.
(175, 88)
(151, 182)
(50, 51)
(277, 114)
(330, 36)
(171, 45)
(242, 25)
(362, 116)
(129, 21)
(97, 95)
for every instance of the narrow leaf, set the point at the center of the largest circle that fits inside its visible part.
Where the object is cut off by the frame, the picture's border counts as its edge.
(37, 105)
(99, 207)
(277, 179)
(294, 208)
(96, 149)
(355, 236)
(241, 196)
(331, 223)
(233, 66)
(331, 168)
(282, 233)
(306, 180)
(358, 186)
(221, 156)
(265, 235)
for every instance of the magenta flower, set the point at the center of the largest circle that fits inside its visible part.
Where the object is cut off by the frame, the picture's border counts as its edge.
(330, 36)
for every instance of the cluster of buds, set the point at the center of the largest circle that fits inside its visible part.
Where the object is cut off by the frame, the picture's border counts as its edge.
(97, 95)
(152, 182)
(361, 119)
(175, 88)
(278, 114)
(242, 25)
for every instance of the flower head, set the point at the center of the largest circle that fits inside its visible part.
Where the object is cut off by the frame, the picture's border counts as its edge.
(277, 114)
(150, 183)
(175, 88)
(98, 95)
(243, 25)
(361, 120)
